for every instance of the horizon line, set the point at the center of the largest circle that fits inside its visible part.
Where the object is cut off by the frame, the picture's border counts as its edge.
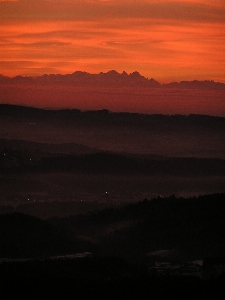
(123, 73)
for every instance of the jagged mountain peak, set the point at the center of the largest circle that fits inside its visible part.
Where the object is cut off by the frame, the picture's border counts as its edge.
(111, 76)
(136, 74)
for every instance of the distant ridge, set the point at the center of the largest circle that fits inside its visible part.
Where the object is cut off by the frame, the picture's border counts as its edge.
(109, 78)
(29, 112)
(112, 131)
(65, 148)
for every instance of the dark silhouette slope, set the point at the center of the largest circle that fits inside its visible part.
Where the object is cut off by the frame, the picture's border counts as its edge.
(169, 135)
(24, 236)
(193, 227)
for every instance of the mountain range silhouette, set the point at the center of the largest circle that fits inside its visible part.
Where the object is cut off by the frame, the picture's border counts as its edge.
(109, 78)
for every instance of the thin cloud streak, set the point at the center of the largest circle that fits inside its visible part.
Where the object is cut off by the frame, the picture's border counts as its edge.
(95, 10)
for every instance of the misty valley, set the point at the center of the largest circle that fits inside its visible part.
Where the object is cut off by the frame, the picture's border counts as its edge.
(121, 202)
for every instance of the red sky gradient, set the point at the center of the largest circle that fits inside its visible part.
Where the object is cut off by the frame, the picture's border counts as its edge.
(166, 40)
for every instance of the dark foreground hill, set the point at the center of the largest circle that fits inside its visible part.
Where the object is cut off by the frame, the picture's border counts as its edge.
(121, 240)
(24, 236)
(192, 227)
(102, 278)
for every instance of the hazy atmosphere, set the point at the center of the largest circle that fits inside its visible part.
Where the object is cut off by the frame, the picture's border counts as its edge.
(112, 149)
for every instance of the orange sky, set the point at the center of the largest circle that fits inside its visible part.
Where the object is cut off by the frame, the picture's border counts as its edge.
(166, 40)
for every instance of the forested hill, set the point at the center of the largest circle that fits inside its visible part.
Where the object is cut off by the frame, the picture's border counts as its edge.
(193, 227)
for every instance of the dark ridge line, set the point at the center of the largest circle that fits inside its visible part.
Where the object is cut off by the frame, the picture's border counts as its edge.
(14, 109)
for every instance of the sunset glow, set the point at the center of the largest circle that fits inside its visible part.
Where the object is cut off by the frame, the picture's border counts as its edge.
(166, 40)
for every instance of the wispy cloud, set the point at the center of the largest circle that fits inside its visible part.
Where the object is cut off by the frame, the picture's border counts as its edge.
(162, 39)
(86, 10)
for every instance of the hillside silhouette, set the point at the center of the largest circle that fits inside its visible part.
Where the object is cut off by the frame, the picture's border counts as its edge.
(123, 246)
(166, 135)
(107, 163)
(194, 227)
(25, 236)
